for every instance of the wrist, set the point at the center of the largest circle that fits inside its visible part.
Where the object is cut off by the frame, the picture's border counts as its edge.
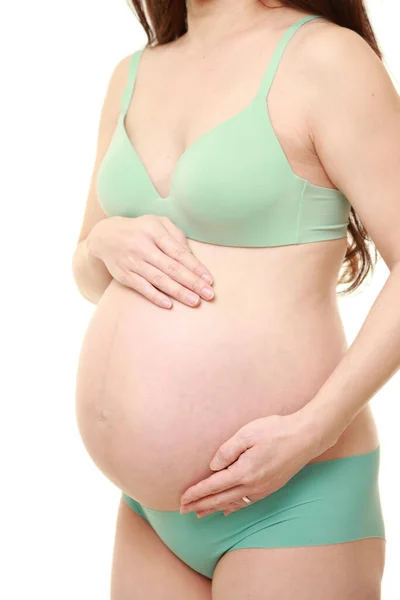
(317, 431)
(95, 238)
(92, 244)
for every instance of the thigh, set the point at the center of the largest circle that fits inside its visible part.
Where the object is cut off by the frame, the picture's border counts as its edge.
(145, 569)
(349, 571)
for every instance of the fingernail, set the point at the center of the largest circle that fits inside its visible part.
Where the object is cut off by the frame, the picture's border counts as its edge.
(207, 278)
(207, 292)
(215, 464)
(166, 303)
(192, 299)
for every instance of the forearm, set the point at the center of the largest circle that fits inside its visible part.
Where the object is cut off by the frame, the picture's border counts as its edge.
(90, 273)
(371, 360)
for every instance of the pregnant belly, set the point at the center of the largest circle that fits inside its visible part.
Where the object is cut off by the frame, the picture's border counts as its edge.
(158, 391)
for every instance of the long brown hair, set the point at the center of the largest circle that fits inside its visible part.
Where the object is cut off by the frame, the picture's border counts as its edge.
(166, 20)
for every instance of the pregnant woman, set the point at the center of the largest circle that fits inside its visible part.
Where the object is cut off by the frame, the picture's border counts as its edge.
(245, 154)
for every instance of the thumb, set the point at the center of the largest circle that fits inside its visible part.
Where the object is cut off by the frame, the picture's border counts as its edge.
(229, 451)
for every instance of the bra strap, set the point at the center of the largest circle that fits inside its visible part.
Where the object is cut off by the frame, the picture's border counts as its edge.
(132, 70)
(278, 52)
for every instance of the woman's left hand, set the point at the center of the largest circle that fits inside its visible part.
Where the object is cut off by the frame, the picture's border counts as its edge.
(257, 461)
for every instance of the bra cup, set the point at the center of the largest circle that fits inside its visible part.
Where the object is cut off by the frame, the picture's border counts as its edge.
(122, 185)
(233, 186)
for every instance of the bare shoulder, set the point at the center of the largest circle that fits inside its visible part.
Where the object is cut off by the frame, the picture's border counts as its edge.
(118, 80)
(335, 57)
(332, 41)
(353, 119)
(120, 74)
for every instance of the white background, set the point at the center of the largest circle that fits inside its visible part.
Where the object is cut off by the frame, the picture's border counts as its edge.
(57, 509)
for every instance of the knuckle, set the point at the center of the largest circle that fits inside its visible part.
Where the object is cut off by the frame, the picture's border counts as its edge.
(157, 279)
(152, 256)
(148, 218)
(212, 488)
(260, 475)
(181, 294)
(247, 435)
(138, 245)
(147, 221)
(133, 263)
(180, 253)
(197, 285)
(160, 238)
(215, 503)
(248, 477)
(173, 268)
(183, 240)
(181, 237)
(198, 268)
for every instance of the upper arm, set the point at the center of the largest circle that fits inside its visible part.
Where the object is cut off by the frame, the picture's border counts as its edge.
(354, 121)
(107, 123)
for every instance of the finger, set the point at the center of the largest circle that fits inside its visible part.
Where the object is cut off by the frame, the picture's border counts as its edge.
(163, 282)
(143, 287)
(231, 450)
(231, 508)
(183, 255)
(181, 274)
(235, 506)
(217, 482)
(175, 232)
(221, 501)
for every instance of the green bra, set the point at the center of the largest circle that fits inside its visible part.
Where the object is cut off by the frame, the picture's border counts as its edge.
(232, 186)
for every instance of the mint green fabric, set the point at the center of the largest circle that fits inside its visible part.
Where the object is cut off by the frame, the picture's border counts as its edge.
(232, 186)
(327, 502)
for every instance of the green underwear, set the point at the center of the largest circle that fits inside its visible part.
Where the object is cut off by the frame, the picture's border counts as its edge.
(327, 502)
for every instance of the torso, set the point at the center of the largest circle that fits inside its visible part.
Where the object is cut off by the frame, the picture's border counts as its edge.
(158, 391)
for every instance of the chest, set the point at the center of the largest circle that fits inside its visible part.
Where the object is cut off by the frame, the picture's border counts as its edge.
(168, 115)
(218, 162)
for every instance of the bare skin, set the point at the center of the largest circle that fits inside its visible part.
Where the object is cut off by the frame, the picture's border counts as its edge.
(158, 391)
(145, 569)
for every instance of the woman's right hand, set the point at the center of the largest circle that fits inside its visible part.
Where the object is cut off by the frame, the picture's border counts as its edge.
(150, 254)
